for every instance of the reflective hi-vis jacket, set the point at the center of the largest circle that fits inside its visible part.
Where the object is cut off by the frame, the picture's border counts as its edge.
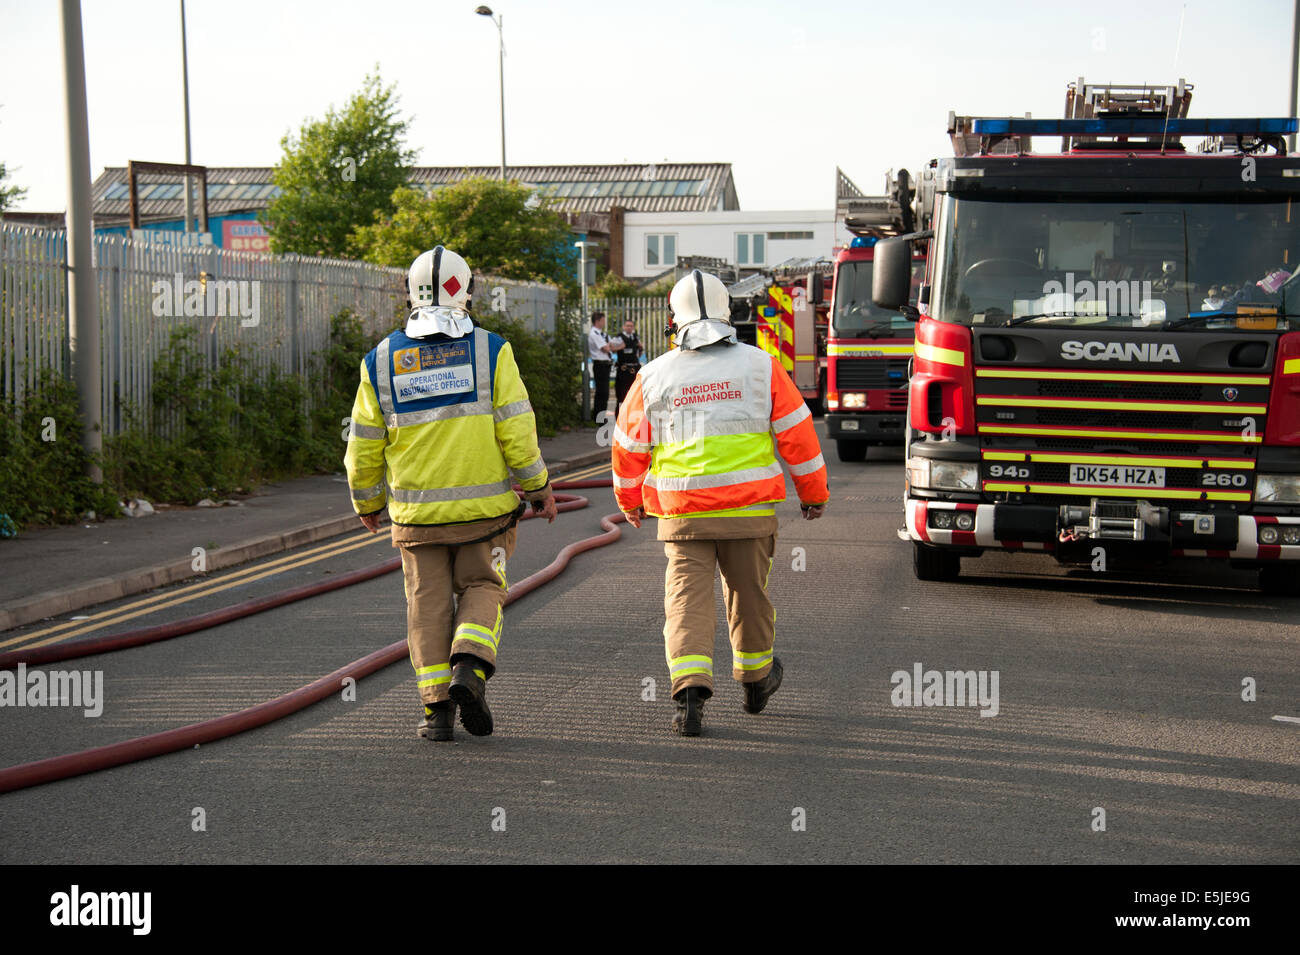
(445, 423)
(698, 434)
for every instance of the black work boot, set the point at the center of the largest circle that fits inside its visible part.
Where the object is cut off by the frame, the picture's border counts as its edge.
(689, 718)
(468, 692)
(439, 718)
(757, 693)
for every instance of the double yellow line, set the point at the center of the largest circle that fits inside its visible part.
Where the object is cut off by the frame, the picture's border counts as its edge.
(594, 471)
(172, 598)
(206, 588)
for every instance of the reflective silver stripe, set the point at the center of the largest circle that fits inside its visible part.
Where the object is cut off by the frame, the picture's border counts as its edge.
(691, 665)
(790, 420)
(437, 414)
(690, 428)
(367, 432)
(713, 480)
(384, 374)
(435, 495)
(631, 482)
(482, 367)
(809, 466)
(513, 409)
(366, 493)
(623, 439)
(532, 470)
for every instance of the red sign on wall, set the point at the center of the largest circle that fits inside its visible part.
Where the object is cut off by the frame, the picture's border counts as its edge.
(244, 236)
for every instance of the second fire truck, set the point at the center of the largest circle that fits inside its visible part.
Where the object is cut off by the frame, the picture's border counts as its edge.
(869, 348)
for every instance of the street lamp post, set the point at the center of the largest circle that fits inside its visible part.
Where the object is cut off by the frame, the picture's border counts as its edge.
(185, 87)
(486, 11)
(586, 362)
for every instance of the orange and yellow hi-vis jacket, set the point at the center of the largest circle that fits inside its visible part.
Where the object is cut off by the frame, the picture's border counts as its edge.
(699, 432)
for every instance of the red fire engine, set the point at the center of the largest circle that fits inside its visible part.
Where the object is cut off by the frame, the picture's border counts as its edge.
(1107, 359)
(868, 348)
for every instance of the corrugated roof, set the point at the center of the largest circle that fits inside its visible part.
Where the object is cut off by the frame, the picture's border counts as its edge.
(638, 187)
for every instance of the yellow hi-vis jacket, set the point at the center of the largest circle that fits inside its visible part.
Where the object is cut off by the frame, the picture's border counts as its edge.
(445, 423)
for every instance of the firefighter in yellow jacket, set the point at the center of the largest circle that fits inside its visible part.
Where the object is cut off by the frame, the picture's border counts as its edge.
(696, 446)
(441, 430)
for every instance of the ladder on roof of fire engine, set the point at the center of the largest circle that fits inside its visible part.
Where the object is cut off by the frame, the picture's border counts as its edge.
(1118, 116)
(1083, 101)
(894, 213)
(1089, 100)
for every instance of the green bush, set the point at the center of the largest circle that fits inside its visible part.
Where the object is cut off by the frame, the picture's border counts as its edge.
(550, 366)
(336, 383)
(234, 426)
(42, 461)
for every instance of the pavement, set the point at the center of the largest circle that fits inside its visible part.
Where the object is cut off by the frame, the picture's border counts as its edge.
(50, 571)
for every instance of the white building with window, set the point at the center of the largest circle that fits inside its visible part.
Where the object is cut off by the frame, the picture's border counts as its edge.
(652, 241)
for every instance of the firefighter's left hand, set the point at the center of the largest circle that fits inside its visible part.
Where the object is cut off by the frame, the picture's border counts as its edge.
(635, 517)
(812, 513)
(372, 521)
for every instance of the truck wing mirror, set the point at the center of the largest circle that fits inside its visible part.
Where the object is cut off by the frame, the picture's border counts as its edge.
(891, 274)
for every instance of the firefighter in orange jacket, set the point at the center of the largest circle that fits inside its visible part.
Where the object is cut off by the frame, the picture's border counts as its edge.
(696, 447)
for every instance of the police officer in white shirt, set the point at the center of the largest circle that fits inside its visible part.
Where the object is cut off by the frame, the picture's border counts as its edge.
(599, 350)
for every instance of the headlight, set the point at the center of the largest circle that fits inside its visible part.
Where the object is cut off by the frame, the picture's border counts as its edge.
(1278, 489)
(1268, 534)
(954, 476)
(853, 399)
(925, 473)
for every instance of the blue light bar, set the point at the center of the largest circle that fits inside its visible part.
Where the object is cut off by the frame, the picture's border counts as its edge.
(862, 242)
(1134, 125)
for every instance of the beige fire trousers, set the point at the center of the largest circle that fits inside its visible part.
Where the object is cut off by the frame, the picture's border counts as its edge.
(689, 608)
(454, 594)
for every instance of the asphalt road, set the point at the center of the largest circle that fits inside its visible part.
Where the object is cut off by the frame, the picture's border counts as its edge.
(1115, 693)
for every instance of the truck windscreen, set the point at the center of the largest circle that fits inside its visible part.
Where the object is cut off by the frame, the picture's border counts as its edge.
(856, 316)
(1170, 264)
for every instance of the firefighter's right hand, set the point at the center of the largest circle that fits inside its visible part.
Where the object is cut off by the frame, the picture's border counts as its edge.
(812, 513)
(372, 521)
(635, 517)
(546, 508)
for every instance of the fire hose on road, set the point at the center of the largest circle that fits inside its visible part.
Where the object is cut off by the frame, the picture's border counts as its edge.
(35, 773)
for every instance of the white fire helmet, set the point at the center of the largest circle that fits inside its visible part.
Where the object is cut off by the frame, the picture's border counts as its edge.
(701, 309)
(440, 277)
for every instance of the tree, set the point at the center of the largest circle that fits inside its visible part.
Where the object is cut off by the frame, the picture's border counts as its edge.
(493, 224)
(10, 196)
(338, 173)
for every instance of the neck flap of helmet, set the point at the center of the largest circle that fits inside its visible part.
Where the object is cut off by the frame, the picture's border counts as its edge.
(438, 320)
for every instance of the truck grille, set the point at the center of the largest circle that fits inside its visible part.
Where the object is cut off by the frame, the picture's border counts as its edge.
(1134, 429)
(865, 374)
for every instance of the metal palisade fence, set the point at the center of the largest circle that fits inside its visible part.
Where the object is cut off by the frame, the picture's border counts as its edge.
(650, 315)
(276, 309)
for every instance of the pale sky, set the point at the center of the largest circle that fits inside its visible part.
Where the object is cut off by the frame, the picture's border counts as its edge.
(785, 92)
